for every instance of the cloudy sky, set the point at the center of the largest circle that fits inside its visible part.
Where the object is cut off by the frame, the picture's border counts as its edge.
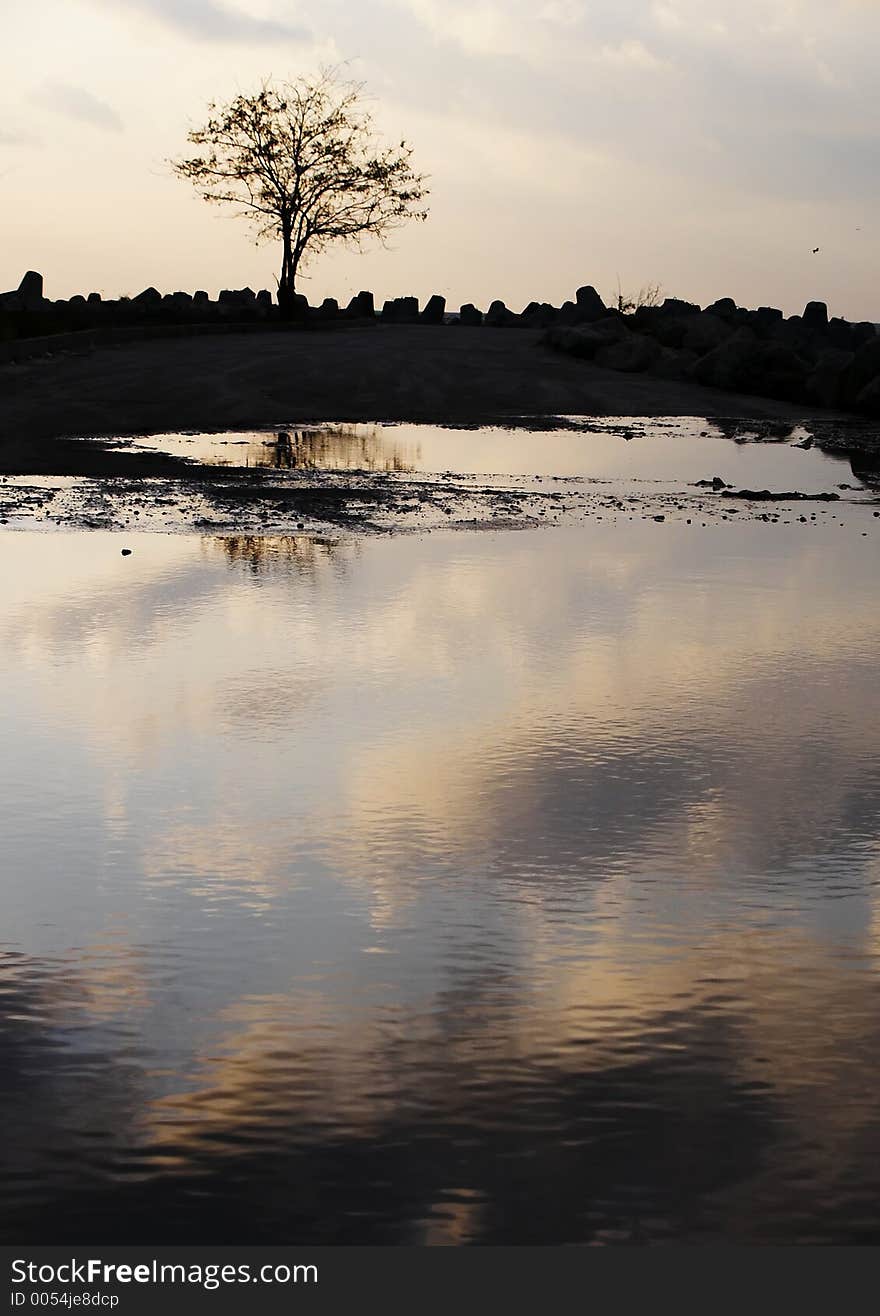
(705, 145)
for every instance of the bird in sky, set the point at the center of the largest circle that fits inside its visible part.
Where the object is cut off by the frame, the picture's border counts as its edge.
(815, 249)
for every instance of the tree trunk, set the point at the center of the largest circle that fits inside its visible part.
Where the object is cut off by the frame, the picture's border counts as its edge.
(287, 282)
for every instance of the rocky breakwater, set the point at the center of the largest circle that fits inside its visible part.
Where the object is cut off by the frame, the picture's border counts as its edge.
(807, 358)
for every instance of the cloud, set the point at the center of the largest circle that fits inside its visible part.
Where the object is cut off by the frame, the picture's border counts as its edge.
(9, 138)
(77, 103)
(207, 20)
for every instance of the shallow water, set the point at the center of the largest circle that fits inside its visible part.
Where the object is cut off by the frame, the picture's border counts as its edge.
(454, 888)
(669, 450)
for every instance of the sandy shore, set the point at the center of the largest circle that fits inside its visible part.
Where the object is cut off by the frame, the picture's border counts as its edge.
(418, 373)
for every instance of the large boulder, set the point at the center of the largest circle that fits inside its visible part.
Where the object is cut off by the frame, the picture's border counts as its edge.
(362, 306)
(702, 333)
(730, 365)
(825, 381)
(541, 314)
(674, 365)
(589, 304)
(403, 310)
(30, 291)
(435, 309)
(328, 310)
(778, 371)
(264, 297)
(674, 306)
(499, 317)
(632, 354)
(868, 400)
(862, 371)
(237, 297)
(724, 309)
(149, 297)
(815, 316)
(469, 315)
(586, 341)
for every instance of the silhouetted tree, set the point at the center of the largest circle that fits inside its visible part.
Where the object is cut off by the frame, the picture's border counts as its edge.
(303, 162)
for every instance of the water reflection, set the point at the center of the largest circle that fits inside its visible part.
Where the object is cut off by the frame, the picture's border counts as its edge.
(319, 448)
(677, 449)
(456, 889)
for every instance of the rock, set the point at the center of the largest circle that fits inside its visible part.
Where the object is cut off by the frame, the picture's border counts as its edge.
(76, 300)
(264, 297)
(778, 372)
(701, 333)
(361, 306)
(30, 291)
(541, 315)
(237, 297)
(674, 364)
(498, 316)
(149, 297)
(675, 306)
(729, 365)
(862, 371)
(765, 496)
(200, 297)
(469, 315)
(863, 332)
(434, 311)
(724, 308)
(632, 355)
(586, 341)
(589, 304)
(403, 310)
(94, 299)
(868, 400)
(825, 381)
(328, 310)
(815, 316)
(568, 313)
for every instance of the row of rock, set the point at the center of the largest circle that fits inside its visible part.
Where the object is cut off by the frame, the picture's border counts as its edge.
(806, 358)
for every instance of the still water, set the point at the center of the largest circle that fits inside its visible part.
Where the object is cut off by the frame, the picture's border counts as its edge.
(465, 888)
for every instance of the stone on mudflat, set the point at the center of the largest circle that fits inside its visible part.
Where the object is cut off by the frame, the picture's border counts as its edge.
(868, 400)
(76, 300)
(201, 297)
(587, 340)
(825, 381)
(632, 355)
(94, 298)
(568, 313)
(361, 306)
(403, 310)
(724, 308)
(590, 305)
(469, 315)
(862, 371)
(30, 290)
(778, 371)
(815, 315)
(675, 306)
(702, 333)
(149, 297)
(237, 297)
(729, 365)
(435, 309)
(499, 317)
(328, 310)
(264, 297)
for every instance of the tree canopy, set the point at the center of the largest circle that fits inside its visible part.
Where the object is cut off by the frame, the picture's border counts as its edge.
(303, 162)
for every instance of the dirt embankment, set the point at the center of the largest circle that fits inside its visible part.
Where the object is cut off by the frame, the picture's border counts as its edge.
(415, 373)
